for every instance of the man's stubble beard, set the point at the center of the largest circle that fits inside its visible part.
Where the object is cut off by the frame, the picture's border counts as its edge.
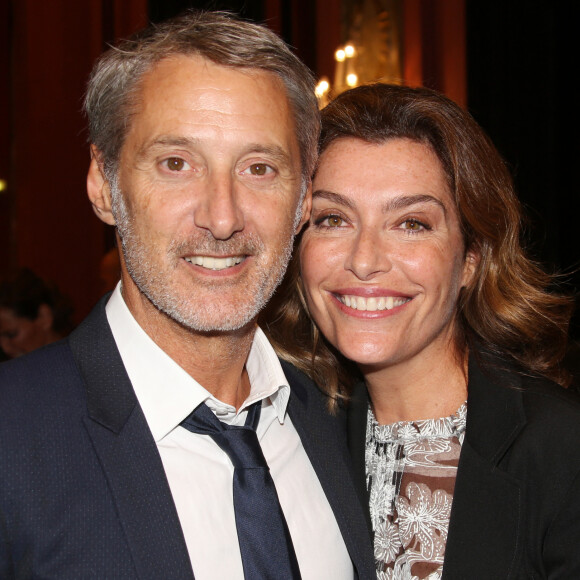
(210, 316)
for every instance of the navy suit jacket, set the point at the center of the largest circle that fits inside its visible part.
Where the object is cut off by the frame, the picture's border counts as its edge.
(516, 504)
(83, 492)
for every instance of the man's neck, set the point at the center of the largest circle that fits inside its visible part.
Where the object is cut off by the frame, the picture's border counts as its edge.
(215, 360)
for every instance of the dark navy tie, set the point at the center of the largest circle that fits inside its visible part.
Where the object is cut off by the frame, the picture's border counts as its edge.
(265, 542)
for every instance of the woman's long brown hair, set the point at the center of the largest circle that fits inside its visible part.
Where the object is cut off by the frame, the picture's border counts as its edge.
(512, 307)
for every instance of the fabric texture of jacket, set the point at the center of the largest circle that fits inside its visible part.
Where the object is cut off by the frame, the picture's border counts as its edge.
(516, 504)
(83, 492)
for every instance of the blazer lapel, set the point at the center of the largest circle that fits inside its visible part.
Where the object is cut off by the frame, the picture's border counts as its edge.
(324, 440)
(128, 455)
(485, 529)
(356, 429)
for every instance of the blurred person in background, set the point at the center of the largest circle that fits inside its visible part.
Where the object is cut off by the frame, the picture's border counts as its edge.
(33, 313)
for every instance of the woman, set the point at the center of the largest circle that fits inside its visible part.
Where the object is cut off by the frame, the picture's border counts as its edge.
(32, 313)
(411, 268)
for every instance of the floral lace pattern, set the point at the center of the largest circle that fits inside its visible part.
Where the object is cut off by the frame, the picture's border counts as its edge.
(411, 469)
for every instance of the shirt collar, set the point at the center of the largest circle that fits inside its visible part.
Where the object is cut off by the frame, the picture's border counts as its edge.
(166, 392)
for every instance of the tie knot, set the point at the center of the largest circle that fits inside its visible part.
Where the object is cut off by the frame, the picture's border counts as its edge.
(242, 446)
(239, 443)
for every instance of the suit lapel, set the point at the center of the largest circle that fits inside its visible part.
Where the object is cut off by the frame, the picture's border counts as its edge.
(485, 529)
(128, 454)
(324, 441)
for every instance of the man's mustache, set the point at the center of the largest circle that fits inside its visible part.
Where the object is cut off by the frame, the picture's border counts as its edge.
(239, 244)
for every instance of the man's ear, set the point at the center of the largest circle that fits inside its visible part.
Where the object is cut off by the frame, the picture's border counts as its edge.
(98, 189)
(306, 207)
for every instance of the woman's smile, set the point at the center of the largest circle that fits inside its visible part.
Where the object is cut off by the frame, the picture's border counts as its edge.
(383, 259)
(368, 303)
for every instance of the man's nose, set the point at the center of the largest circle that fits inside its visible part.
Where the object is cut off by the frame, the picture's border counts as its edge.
(219, 211)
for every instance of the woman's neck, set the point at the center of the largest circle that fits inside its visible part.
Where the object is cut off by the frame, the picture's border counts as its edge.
(428, 386)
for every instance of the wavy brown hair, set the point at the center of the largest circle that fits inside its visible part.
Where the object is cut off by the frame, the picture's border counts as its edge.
(510, 307)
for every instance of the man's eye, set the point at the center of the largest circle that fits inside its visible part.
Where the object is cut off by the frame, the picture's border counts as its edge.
(258, 169)
(176, 164)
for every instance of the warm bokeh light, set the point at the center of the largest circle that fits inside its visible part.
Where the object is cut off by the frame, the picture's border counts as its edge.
(340, 55)
(349, 50)
(3, 185)
(351, 80)
(322, 87)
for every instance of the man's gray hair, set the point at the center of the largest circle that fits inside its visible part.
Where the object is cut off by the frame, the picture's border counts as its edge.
(112, 96)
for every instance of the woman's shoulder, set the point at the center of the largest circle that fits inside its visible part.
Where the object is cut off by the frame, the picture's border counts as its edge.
(491, 370)
(552, 406)
(539, 395)
(505, 398)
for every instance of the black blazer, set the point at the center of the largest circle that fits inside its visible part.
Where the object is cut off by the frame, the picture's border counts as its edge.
(516, 505)
(83, 493)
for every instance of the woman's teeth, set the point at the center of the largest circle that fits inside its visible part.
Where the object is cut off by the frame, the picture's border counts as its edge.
(372, 303)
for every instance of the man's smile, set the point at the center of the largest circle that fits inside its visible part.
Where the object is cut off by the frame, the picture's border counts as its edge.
(213, 263)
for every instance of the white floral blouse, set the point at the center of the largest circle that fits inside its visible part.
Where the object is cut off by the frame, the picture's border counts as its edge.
(411, 469)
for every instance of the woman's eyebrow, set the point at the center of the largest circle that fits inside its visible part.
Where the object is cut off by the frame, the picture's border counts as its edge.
(397, 203)
(403, 201)
(333, 197)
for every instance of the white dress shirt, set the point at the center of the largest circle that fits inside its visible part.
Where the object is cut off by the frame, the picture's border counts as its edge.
(200, 474)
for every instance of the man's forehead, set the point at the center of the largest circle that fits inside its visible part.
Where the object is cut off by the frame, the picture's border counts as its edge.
(204, 69)
(184, 83)
(189, 100)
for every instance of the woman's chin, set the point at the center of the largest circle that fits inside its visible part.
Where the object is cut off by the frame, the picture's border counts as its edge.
(366, 353)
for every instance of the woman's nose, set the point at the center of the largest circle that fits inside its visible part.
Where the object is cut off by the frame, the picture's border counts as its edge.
(368, 255)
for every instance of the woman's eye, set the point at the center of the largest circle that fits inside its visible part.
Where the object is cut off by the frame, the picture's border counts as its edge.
(413, 225)
(176, 164)
(258, 169)
(334, 221)
(330, 221)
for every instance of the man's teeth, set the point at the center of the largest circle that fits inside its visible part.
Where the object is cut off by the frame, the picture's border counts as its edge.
(373, 303)
(212, 263)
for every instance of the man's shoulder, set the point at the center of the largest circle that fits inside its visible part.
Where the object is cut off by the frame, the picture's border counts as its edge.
(42, 364)
(53, 366)
(37, 377)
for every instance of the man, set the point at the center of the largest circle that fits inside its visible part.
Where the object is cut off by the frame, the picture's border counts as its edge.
(203, 135)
